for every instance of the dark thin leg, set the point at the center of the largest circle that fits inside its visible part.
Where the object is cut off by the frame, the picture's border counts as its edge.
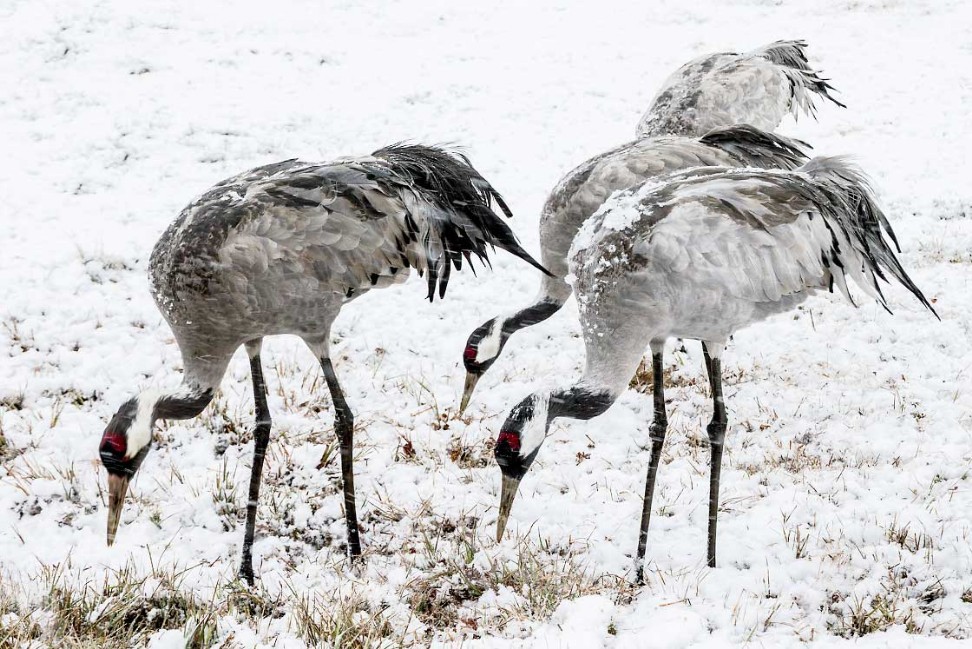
(717, 434)
(708, 363)
(261, 437)
(658, 427)
(344, 427)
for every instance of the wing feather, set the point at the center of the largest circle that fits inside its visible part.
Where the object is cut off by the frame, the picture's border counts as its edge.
(758, 235)
(359, 223)
(717, 90)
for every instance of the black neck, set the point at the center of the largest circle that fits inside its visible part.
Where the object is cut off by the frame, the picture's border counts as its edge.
(179, 407)
(531, 315)
(578, 402)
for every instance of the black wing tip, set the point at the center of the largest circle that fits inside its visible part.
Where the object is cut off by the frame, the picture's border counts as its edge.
(525, 256)
(465, 201)
(761, 147)
(914, 290)
(851, 189)
(822, 87)
(750, 133)
(792, 54)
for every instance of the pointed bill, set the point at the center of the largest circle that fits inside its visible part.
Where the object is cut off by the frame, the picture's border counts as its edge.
(117, 488)
(471, 380)
(507, 495)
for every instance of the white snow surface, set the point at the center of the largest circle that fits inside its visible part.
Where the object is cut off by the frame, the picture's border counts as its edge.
(847, 425)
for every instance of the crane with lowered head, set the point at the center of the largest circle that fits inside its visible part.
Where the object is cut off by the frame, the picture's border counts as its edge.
(281, 249)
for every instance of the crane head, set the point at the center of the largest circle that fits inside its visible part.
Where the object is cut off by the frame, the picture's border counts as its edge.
(516, 448)
(125, 443)
(482, 348)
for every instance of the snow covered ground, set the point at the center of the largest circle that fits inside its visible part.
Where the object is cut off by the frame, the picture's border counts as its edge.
(846, 498)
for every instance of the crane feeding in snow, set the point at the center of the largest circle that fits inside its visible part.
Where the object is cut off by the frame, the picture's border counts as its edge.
(279, 250)
(701, 255)
(716, 91)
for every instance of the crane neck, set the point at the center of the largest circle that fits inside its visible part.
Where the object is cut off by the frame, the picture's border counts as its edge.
(201, 376)
(531, 315)
(185, 402)
(580, 401)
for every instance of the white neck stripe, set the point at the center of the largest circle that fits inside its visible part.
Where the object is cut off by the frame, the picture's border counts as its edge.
(140, 433)
(489, 346)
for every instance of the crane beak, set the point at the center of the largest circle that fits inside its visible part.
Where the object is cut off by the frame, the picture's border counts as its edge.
(117, 488)
(467, 390)
(508, 493)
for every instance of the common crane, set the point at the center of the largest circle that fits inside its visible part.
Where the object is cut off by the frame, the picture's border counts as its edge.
(584, 190)
(280, 249)
(715, 91)
(700, 256)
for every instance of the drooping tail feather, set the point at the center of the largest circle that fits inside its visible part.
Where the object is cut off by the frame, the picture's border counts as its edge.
(758, 148)
(846, 198)
(462, 220)
(790, 56)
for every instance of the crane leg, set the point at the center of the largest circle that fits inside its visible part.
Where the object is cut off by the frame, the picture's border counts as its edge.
(717, 434)
(659, 426)
(261, 438)
(344, 427)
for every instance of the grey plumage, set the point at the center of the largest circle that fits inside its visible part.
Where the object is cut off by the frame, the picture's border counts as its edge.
(763, 236)
(847, 199)
(714, 110)
(278, 250)
(582, 192)
(366, 218)
(755, 148)
(701, 254)
(758, 87)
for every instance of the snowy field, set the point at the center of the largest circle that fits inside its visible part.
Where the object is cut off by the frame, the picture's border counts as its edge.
(846, 509)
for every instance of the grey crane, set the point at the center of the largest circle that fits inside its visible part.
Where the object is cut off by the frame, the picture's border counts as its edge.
(716, 91)
(759, 88)
(279, 250)
(584, 190)
(700, 256)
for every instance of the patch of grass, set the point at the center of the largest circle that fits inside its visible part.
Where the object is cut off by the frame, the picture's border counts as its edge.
(19, 339)
(470, 455)
(229, 427)
(796, 537)
(347, 621)
(17, 628)
(543, 579)
(406, 450)
(891, 605)
(121, 611)
(253, 603)
(878, 613)
(13, 401)
(225, 497)
(126, 608)
(454, 577)
(912, 541)
(643, 379)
